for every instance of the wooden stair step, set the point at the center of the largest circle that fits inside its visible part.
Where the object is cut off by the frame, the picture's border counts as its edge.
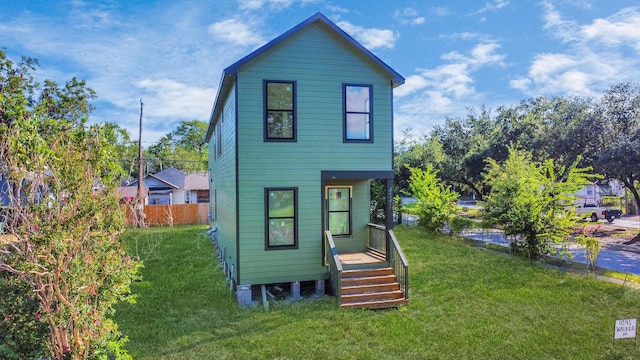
(368, 280)
(367, 272)
(376, 254)
(377, 296)
(366, 288)
(385, 304)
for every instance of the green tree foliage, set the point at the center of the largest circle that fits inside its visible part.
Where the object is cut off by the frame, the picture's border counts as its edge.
(619, 149)
(125, 148)
(435, 203)
(410, 152)
(63, 221)
(182, 148)
(532, 202)
(559, 128)
(466, 144)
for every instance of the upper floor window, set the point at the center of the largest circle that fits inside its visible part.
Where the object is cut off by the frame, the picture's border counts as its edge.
(280, 110)
(358, 124)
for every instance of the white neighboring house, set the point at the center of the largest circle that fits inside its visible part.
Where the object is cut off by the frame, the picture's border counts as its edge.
(196, 188)
(594, 192)
(172, 186)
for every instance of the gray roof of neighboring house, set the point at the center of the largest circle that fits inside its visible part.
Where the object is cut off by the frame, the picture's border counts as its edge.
(171, 176)
(197, 181)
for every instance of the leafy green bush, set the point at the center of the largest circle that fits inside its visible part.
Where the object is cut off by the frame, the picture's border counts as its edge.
(460, 223)
(530, 201)
(435, 203)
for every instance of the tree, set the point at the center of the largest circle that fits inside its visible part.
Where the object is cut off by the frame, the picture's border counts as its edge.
(435, 203)
(559, 128)
(63, 218)
(533, 202)
(126, 149)
(410, 152)
(619, 148)
(182, 148)
(466, 144)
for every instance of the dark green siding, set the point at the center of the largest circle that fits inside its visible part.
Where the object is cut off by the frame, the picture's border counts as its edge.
(223, 175)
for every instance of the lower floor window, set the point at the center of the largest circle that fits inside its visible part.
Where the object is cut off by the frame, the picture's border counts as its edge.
(281, 221)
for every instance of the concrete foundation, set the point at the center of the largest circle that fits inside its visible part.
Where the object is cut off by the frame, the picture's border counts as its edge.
(243, 294)
(320, 287)
(295, 289)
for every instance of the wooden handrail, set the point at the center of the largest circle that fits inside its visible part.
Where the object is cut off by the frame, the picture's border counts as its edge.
(401, 270)
(379, 242)
(395, 243)
(335, 266)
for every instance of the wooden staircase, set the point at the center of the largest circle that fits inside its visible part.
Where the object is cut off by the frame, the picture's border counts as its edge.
(370, 288)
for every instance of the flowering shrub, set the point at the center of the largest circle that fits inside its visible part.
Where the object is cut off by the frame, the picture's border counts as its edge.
(64, 216)
(23, 334)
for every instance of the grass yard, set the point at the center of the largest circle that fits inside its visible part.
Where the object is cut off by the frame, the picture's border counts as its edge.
(466, 303)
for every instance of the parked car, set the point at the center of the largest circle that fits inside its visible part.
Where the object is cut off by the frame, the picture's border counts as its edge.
(595, 212)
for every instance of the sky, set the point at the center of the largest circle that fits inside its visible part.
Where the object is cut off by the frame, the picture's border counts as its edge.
(455, 55)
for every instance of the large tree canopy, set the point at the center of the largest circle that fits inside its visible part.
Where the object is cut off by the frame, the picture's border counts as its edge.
(618, 155)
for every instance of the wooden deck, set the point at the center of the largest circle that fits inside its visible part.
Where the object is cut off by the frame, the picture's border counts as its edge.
(360, 258)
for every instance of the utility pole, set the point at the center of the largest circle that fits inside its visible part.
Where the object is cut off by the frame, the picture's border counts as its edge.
(140, 203)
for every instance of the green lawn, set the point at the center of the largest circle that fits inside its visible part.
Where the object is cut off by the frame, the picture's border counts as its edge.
(466, 303)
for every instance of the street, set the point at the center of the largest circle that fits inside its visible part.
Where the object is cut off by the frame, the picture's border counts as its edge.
(621, 258)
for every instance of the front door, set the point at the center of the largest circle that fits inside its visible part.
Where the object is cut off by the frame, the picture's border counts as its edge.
(338, 210)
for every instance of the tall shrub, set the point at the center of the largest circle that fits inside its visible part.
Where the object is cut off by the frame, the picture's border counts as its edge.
(435, 203)
(532, 202)
(63, 217)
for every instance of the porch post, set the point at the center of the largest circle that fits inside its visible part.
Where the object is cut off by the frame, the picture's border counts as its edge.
(388, 221)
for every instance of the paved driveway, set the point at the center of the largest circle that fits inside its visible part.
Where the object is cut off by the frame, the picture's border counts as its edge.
(628, 221)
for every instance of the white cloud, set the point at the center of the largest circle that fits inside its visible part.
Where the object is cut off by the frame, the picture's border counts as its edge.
(169, 98)
(275, 4)
(621, 29)
(598, 55)
(412, 84)
(454, 79)
(371, 38)
(560, 28)
(409, 16)
(493, 6)
(236, 32)
(440, 11)
(431, 95)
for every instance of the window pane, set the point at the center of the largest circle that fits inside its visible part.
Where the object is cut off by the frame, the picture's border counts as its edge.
(358, 99)
(281, 204)
(280, 124)
(339, 223)
(281, 232)
(338, 199)
(279, 96)
(358, 126)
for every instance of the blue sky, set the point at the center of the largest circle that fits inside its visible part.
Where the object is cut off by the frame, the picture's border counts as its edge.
(454, 55)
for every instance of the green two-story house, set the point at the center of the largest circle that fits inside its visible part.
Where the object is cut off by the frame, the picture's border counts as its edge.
(298, 130)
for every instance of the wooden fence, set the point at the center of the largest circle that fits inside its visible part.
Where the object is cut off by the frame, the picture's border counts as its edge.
(170, 215)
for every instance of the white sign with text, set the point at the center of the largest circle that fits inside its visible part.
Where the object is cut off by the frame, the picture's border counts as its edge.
(625, 329)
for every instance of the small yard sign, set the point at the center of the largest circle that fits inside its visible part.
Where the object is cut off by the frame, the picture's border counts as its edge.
(625, 329)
